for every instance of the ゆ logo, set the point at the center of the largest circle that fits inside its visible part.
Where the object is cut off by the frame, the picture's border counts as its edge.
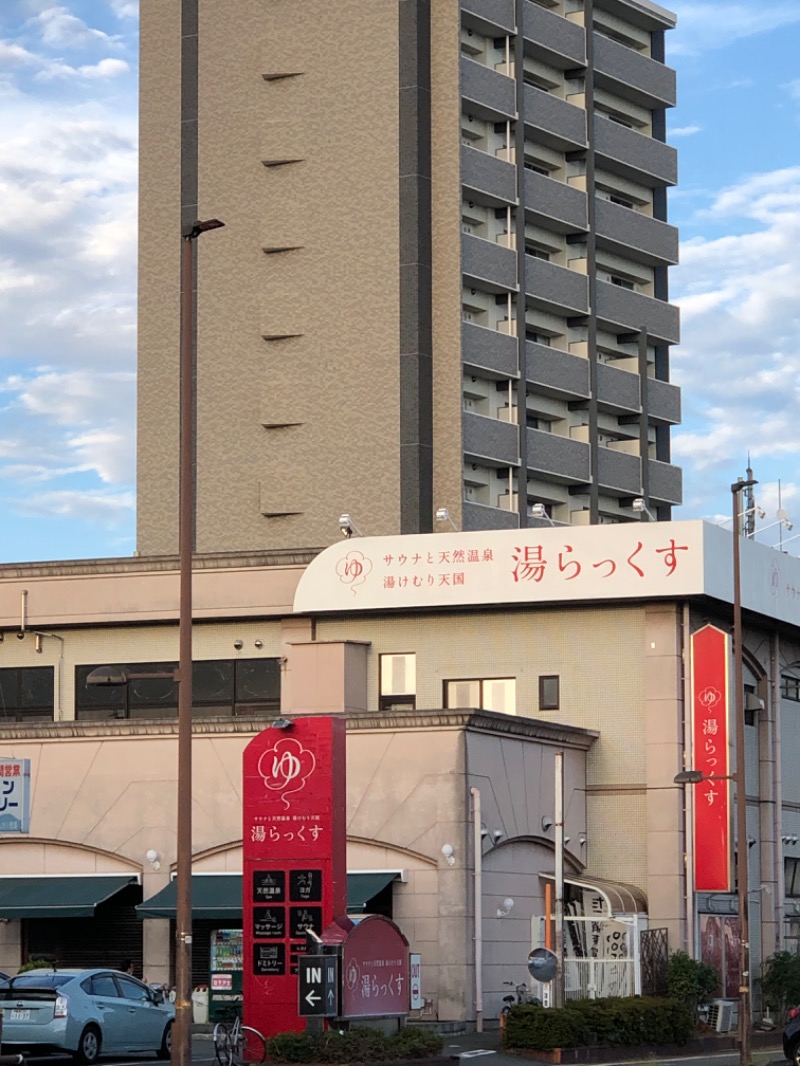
(286, 767)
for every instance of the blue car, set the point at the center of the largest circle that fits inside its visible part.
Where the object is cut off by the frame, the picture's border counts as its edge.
(84, 1012)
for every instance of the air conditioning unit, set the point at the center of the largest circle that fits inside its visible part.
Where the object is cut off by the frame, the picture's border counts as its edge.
(721, 1016)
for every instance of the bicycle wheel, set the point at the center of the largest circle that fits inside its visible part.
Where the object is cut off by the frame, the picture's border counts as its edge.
(223, 1051)
(251, 1047)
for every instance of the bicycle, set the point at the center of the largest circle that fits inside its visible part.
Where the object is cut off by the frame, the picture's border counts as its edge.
(236, 1044)
(522, 995)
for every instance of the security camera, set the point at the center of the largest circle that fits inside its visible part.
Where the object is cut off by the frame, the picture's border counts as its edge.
(21, 634)
(238, 644)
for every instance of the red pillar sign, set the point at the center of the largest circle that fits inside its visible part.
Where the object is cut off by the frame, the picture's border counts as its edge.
(710, 718)
(295, 874)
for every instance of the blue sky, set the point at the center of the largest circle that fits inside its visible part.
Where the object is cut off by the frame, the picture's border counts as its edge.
(68, 266)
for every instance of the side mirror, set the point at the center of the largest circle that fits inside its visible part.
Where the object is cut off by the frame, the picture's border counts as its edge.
(157, 997)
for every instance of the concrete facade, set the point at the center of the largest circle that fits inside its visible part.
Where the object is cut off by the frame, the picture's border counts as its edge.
(103, 773)
(372, 320)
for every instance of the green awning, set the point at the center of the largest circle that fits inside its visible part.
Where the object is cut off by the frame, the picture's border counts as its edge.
(57, 897)
(216, 896)
(362, 887)
(219, 896)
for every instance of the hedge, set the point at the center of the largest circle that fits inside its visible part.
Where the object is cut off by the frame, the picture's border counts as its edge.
(612, 1022)
(360, 1044)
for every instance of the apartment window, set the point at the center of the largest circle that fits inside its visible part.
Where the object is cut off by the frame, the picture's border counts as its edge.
(537, 168)
(27, 694)
(790, 688)
(489, 694)
(623, 283)
(544, 425)
(791, 873)
(549, 685)
(621, 201)
(537, 338)
(398, 682)
(221, 688)
(536, 251)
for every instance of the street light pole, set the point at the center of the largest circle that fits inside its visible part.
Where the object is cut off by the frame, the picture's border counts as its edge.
(182, 1036)
(742, 881)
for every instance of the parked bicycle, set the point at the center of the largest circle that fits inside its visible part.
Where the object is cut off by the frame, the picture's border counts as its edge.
(521, 995)
(236, 1044)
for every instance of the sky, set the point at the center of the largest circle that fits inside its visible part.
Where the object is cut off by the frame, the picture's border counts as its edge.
(68, 169)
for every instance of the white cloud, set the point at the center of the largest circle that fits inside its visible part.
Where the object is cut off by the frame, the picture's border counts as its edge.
(685, 131)
(105, 68)
(703, 26)
(739, 361)
(59, 28)
(125, 9)
(110, 510)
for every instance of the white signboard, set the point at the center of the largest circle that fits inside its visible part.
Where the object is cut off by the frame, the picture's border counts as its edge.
(15, 777)
(560, 564)
(416, 1001)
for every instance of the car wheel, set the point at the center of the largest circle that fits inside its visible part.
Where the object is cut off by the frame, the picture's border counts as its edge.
(88, 1046)
(794, 1051)
(165, 1051)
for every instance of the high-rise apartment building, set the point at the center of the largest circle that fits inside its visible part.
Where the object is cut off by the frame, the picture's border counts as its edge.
(442, 281)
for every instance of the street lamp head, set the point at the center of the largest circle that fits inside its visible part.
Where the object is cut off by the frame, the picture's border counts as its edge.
(193, 231)
(108, 676)
(688, 777)
(737, 486)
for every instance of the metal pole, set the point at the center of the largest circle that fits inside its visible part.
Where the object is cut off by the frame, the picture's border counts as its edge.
(741, 793)
(182, 1036)
(559, 878)
(478, 875)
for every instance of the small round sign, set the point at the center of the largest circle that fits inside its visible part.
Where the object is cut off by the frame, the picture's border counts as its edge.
(542, 964)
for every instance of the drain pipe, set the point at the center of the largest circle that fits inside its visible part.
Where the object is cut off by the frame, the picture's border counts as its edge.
(478, 903)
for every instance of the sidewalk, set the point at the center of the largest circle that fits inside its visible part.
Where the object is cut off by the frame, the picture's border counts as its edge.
(484, 1049)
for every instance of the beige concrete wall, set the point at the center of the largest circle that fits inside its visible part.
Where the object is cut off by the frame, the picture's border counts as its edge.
(269, 411)
(159, 275)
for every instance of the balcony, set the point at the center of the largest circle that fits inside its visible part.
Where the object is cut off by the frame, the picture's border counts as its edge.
(553, 121)
(487, 92)
(479, 516)
(486, 174)
(559, 458)
(490, 264)
(486, 349)
(666, 482)
(554, 205)
(632, 76)
(663, 402)
(617, 390)
(553, 39)
(633, 155)
(622, 311)
(488, 16)
(556, 373)
(619, 473)
(489, 438)
(625, 232)
(555, 289)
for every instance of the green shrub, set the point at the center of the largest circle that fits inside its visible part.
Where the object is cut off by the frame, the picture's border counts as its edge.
(292, 1047)
(612, 1022)
(690, 982)
(36, 964)
(358, 1044)
(411, 1042)
(780, 983)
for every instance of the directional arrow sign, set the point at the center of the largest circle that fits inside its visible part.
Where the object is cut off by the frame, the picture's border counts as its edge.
(318, 985)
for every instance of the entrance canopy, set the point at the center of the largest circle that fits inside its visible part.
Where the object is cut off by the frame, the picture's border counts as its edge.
(617, 898)
(219, 896)
(58, 897)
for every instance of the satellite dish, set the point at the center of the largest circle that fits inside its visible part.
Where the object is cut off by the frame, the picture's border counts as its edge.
(542, 964)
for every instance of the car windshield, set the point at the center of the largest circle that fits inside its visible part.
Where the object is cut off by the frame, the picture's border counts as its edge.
(40, 979)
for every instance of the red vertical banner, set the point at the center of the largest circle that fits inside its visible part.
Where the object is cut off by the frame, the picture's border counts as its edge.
(295, 873)
(710, 726)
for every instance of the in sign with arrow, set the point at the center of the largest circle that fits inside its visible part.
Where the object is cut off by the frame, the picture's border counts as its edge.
(318, 986)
